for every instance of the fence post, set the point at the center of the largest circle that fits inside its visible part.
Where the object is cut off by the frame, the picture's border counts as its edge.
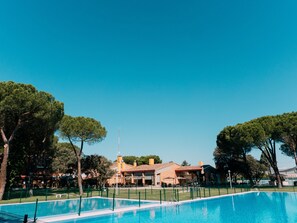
(203, 191)
(46, 194)
(25, 219)
(21, 195)
(177, 195)
(209, 191)
(160, 197)
(107, 192)
(8, 195)
(113, 199)
(144, 194)
(129, 193)
(139, 198)
(227, 190)
(79, 207)
(35, 213)
(26, 193)
(219, 190)
(165, 195)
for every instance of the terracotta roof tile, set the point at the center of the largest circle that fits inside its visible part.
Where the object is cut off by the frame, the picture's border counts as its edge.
(114, 165)
(145, 168)
(189, 168)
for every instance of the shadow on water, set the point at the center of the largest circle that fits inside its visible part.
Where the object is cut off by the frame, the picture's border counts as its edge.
(10, 218)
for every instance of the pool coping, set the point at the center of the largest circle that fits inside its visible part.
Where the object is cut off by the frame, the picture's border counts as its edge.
(127, 209)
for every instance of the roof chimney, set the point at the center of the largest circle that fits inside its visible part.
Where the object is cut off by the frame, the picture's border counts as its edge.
(119, 163)
(135, 163)
(151, 161)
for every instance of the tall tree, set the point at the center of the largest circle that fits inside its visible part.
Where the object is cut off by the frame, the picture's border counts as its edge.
(81, 130)
(25, 110)
(266, 134)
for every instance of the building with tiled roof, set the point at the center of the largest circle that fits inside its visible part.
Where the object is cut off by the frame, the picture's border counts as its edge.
(158, 174)
(152, 174)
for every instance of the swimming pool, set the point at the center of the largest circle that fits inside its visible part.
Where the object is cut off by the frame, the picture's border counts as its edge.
(63, 207)
(245, 208)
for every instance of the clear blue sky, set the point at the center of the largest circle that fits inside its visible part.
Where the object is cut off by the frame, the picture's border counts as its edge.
(169, 74)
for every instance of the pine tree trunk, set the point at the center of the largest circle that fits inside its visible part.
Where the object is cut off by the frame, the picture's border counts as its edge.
(295, 158)
(248, 171)
(79, 178)
(278, 177)
(3, 170)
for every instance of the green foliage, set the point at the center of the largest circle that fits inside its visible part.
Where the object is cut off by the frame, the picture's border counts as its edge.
(82, 129)
(98, 167)
(145, 159)
(28, 118)
(288, 122)
(63, 157)
(264, 133)
(130, 159)
(23, 104)
(234, 143)
(141, 160)
(257, 168)
(185, 163)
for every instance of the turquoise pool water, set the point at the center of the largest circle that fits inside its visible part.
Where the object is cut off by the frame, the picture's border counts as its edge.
(62, 207)
(246, 208)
